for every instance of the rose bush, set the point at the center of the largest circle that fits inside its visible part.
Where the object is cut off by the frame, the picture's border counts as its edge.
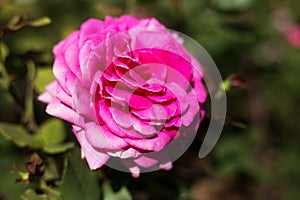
(132, 93)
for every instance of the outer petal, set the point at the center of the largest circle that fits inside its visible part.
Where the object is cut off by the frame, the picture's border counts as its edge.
(101, 137)
(145, 162)
(66, 66)
(49, 94)
(90, 30)
(57, 109)
(95, 159)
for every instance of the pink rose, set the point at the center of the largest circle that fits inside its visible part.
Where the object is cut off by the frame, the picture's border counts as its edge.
(133, 94)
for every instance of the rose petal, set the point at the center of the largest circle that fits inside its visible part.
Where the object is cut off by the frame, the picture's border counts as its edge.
(50, 93)
(124, 154)
(106, 115)
(139, 102)
(89, 30)
(63, 96)
(193, 111)
(82, 102)
(91, 62)
(118, 92)
(198, 86)
(71, 49)
(145, 162)
(122, 118)
(166, 166)
(57, 109)
(150, 144)
(144, 129)
(167, 96)
(135, 171)
(45, 97)
(100, 137)
(157, 112)
(95, 159)
(180, 95)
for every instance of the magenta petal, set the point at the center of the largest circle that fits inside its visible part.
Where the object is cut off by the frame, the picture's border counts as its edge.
(95, 159)
(106, 115)
(144, 129)
(180, 65)
(50, 93)
(153, 87)
(135, 170)
(174, 121)
(180, 95)
(71, 50)
(157, 38)
(102, 138)
(91, 61)
(122, 118)
(83, 102)
(166, 166)
(91, 27)
(150, 144)
(51, 88)
(118, 62)
(57, 109)
(124, 154)
(145, 162)
(125, 22)
(45, 97)
(162, 98)
(149, 23)
(171, 132)
(62, 74)
(157, 112)
(142, 114)
(139, 102)
(192, 111)
(171, 109)
(198, 86)
(61, 68)
(118, 93)
(63, 96)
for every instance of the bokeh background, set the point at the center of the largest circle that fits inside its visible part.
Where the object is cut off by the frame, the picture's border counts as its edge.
(256, 46)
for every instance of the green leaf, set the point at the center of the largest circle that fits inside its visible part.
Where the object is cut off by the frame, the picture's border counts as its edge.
(43, 21)
(9, 189)
(43, 77)
(51, 170)
(51, 132)
(4, 51)
(109, 194)
(58, 148)
(239, 5)
(14, 23)
(24, 175)
(79, 182)
(4, 78)
(31, 195)
(17, 134)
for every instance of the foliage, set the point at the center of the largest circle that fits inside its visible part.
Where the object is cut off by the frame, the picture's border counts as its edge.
(257, 155)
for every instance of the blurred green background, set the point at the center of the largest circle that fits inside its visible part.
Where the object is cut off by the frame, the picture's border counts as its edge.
(257, 156)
